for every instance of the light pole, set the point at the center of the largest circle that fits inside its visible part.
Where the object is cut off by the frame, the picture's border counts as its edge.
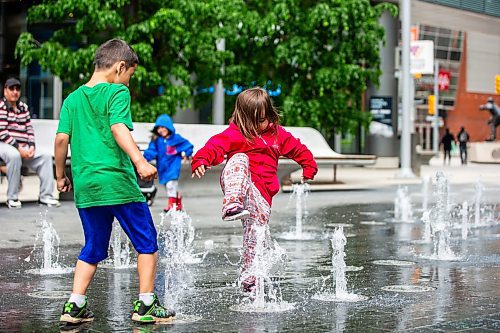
(218, 101)
(435, 123)
(405, 170)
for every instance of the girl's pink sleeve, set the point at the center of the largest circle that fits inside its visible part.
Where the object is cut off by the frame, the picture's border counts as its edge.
(291, 147)
(213, 152)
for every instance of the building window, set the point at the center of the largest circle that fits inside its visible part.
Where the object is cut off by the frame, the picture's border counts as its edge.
(448, 51)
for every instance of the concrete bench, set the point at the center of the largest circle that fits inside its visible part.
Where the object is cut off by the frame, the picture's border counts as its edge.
(198, 134)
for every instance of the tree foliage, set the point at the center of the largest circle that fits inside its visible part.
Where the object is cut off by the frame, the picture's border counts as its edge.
(321, 53)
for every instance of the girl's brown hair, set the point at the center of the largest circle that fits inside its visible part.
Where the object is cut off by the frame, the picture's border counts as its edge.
(248, 110)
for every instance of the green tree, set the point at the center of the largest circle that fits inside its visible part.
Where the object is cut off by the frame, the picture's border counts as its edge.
(321, 53)
(175, 41)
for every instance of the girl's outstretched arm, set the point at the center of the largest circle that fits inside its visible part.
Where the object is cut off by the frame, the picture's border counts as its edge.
(199, 171)
(212, 153)
(291, 147)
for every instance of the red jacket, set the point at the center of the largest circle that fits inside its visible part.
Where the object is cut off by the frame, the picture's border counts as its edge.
(263, 154)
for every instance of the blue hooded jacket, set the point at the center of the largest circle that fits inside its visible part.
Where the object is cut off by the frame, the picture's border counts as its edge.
(167, 151)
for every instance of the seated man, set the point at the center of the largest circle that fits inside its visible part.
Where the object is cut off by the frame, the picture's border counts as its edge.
(17, 147)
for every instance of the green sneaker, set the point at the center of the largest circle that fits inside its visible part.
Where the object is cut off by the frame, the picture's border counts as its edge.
(74, 315)
(154, 313)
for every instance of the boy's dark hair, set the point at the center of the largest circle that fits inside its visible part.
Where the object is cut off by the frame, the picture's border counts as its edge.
(112, 51)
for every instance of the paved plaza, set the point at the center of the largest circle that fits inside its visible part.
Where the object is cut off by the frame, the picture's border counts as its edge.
(456, 295)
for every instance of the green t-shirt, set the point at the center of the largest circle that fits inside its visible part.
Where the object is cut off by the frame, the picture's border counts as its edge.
(102, 172)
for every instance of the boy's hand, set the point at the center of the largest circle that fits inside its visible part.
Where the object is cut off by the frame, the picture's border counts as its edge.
(64, 184)
(146, 171)
(199, 171)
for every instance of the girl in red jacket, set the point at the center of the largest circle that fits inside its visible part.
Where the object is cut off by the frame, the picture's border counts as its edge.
(252, 144)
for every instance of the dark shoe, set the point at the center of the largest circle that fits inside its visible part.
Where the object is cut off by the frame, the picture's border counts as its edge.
(154, 313)
(248, 287)
(74, 315)
(236, 215)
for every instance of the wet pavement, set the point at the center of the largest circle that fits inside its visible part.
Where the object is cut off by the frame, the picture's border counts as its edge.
(460, 295)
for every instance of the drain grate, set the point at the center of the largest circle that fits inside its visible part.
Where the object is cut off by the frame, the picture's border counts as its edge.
(53, 294)
(404, 288)
(394, 262)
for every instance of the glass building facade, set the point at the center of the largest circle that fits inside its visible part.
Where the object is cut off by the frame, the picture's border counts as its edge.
(448, 48)
(486, 7)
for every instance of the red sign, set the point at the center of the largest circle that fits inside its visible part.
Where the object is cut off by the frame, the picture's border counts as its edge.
(444, 80)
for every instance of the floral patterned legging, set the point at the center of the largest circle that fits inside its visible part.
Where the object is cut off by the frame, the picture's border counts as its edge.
(241, 193)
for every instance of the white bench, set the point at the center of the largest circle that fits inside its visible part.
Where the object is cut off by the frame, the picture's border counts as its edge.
(198, 134)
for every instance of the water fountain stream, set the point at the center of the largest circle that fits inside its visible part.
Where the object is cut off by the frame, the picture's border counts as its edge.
(50, 249)
(338, 272)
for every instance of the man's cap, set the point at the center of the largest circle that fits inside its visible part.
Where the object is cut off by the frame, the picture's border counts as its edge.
(12, 82)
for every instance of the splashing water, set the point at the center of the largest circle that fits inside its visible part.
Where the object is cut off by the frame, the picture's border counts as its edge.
(176, 248)
(479, 188)
(425, 192)
(427, 226)
(402, 205)
(484, 214)
(338, 272)
(465, 219)
(176, 242)
(441, 221)
(301, 192)
(120, 249)
(178, 281)
(338, 263)
(268, 262)
(50, 249)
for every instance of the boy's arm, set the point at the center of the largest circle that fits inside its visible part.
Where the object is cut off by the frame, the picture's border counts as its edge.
(124, 139)
(60, 155)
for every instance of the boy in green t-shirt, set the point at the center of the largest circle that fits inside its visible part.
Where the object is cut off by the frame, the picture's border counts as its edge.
(96, 121)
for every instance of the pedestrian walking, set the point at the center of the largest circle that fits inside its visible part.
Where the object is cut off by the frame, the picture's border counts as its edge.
(463, 139)
(446, 141)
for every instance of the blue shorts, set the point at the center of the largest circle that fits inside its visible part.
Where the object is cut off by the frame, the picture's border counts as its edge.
(135, 219)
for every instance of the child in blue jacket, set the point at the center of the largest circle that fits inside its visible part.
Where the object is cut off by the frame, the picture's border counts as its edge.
(168, 149)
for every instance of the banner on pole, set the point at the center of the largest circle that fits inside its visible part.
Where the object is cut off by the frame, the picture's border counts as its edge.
(422, 57)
